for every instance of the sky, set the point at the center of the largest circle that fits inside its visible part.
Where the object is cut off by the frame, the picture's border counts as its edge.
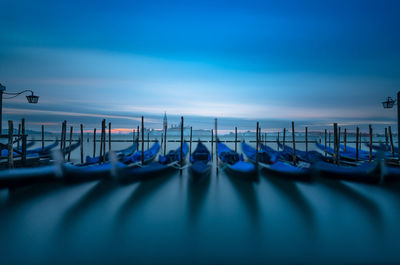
(313, 62)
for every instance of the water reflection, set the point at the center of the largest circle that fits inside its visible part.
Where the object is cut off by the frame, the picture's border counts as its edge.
(87, 201)
(144, 191)
(18, 196)
(196, 196)
(247, 193)
(366, 204)
(290, 190)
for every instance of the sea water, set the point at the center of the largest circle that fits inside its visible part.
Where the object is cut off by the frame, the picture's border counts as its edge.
(171, 220)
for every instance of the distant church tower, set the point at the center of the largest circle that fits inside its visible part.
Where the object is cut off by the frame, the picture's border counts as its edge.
(165, 120)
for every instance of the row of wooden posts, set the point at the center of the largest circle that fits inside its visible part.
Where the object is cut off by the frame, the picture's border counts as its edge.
(19, 139)
(260, 138)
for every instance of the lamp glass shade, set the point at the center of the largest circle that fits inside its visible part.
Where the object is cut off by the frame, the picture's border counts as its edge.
(32, 99)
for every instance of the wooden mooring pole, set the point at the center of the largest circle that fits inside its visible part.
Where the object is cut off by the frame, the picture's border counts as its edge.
(190, 146)
(335, 142)
(235, 139)
(81, 143)
(294, 144)
(148, 140)
(70, 143)
(109, 136)
(325, 142)
(94, 142)
(19, 135)
(65, 139)
(216, 145)
(42, 137)
(212, 141)
(398, 125)
(101, 143)
(306, 139)
(391, 141)
(23, 159)
(338, 145)
(181, 156)
(162, 141)
(345, 139)
(386, 139)
(142, 141)
(62, 136)
(165, 139)
(137, 139)
(357, 139)
(257, 142)
(104, 141)
(284, 139)
(10, 144)
(370, 143)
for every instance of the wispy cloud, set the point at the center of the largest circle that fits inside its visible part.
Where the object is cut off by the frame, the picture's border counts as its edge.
(44, 113)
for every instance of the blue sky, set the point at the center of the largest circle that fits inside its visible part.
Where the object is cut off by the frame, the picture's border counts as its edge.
(274, 61)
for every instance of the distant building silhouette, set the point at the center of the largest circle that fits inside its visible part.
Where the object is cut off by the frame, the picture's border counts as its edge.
(165, 120)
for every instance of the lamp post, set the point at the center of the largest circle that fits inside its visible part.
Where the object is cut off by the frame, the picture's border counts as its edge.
(32, 99)
(388, 104)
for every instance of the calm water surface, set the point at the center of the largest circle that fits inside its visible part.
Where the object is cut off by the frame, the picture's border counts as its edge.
(224, 220)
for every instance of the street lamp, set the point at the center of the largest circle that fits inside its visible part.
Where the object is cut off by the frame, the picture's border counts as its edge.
(388, 104)
(32, 99)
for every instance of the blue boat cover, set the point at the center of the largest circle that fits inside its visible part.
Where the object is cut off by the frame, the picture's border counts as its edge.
(310, 156)
(148, 154)
(234, 160)
(201, 153)
(32, 152)
(174, 155)
(243, 167)
(276, 155)
(287, 168)
(347, 154)
(263, 156)
(124, 152)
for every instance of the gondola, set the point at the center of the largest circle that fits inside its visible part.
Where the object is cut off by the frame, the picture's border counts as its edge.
(390, 174)
(4, 147)
(366, 172)
(87, 172)
(149, 155)
(280, 155)
(33, 152)
(309, 157)
(383, 147)
(73, 173)
(165, 164)
(13, 178)
(233, 163)
(365, 154)
(120, 154)
(271, 162)
(347, 156)
(201, 162)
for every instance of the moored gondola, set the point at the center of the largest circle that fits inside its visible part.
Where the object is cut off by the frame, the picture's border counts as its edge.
(233, 163)
(273, 162)
(166, 163)
(201, 162)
